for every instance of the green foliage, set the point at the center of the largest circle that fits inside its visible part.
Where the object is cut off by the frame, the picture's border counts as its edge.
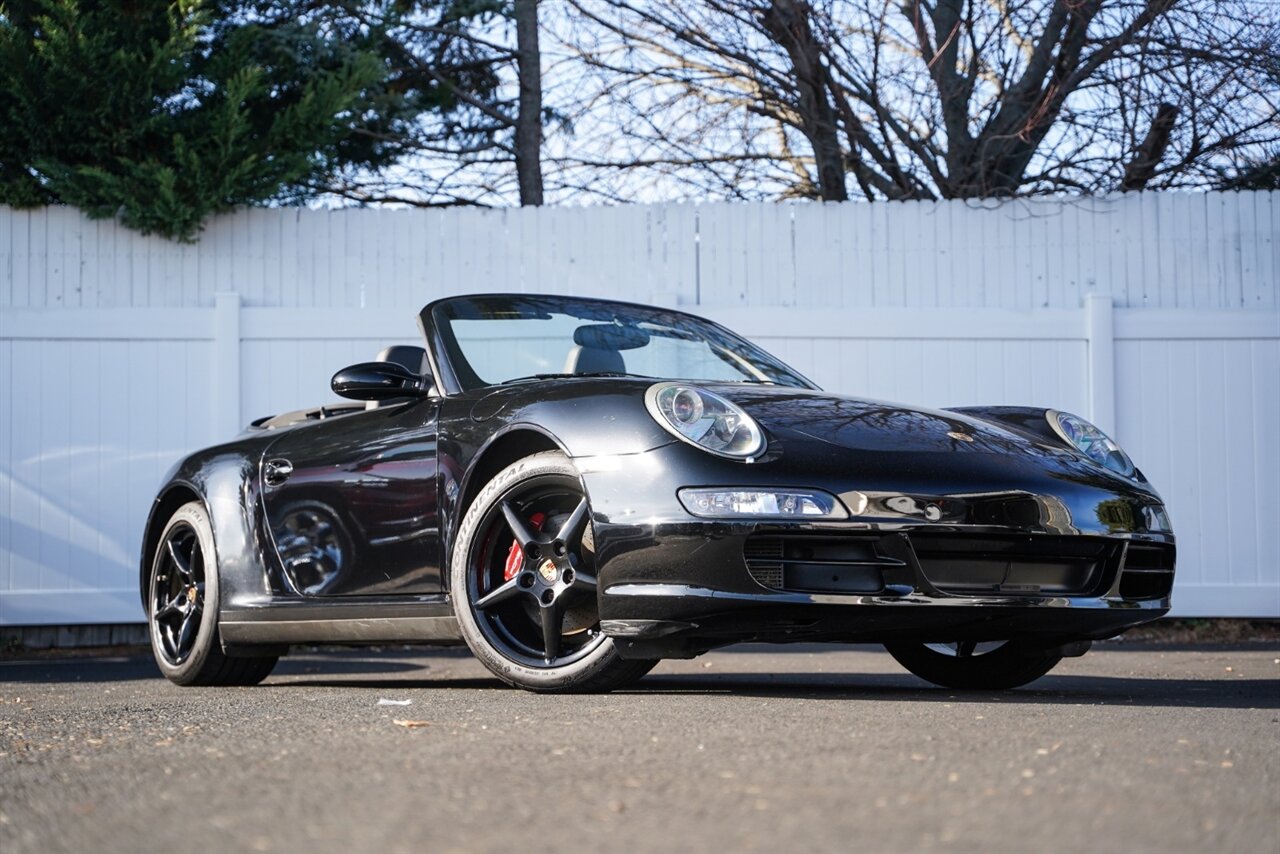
(162, 113)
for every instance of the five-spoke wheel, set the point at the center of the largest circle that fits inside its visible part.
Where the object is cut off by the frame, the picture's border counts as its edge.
(536, 565)
(524, 582)
(182, 607)
(177, 594)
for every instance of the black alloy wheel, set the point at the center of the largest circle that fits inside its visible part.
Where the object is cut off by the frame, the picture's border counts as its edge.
(544, 615)
(526, 594)
(182, 609)
(177, 594)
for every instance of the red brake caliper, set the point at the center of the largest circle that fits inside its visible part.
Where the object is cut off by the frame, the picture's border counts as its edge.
(515, 558)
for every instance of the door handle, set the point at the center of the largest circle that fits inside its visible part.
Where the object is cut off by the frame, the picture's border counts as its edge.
(276, 472)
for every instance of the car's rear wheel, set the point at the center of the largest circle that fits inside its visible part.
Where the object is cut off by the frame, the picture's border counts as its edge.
(524, 586)
(182, 608)
(978, 666)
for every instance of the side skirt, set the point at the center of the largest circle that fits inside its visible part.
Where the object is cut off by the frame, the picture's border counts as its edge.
(363, 621)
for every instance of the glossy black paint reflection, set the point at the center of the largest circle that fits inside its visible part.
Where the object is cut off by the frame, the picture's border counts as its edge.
(377, 381)
(369, 506)
(357, 514)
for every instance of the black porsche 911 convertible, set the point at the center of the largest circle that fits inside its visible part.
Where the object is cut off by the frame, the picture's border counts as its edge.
(578, 488)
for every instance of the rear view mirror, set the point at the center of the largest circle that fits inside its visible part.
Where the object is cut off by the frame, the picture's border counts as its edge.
(378, 381)
(610, 336)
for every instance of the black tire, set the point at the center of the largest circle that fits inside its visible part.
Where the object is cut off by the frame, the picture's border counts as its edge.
(1008, 666)
(511, 630)
(182, 608)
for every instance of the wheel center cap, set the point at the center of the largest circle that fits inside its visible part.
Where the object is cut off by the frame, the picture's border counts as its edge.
(191, 595)
(547, 569)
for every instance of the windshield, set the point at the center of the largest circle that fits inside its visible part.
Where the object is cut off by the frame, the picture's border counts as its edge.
(498, 339)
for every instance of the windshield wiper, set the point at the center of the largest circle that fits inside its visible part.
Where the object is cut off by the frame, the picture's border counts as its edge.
(536, 377)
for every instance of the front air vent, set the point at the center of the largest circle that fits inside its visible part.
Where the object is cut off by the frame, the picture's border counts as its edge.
(1148, 571)
(1016, 565)
(764, 560)
(806, 564)
(1153, 557)
(961, 564)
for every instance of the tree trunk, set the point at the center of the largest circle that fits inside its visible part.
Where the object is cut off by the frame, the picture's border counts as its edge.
(788, 24)
(1142, 168)
(529, 117)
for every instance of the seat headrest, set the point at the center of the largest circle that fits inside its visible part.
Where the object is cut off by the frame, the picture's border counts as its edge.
(407, 356)
(590, 360)
(413, 358)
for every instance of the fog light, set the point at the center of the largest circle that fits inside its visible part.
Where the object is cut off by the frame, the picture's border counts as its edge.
(759, 503)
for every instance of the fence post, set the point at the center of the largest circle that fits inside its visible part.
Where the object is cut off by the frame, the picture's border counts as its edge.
(226, 366)
(1100, 331)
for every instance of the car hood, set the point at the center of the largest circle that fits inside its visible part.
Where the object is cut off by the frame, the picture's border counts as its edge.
(892, 447)
(860, 424)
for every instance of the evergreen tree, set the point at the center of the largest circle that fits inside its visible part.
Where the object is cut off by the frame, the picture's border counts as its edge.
(1262, 173)
(162, 112)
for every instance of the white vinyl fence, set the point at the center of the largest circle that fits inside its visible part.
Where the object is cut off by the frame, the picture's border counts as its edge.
(1155, 315)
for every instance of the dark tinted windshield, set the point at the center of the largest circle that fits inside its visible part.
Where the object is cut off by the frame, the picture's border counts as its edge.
(496, 339)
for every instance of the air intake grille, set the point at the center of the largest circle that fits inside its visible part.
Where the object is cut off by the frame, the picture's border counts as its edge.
(1148, 571)
(969, 565)
(958, 563)
(1017, 565)
(764, 560)
(816, 564)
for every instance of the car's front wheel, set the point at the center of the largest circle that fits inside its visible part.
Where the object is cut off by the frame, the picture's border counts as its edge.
(970, 665)
(524, 587)
(182, 607)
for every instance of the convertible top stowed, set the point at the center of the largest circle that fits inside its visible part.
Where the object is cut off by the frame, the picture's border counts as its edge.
(576, 488)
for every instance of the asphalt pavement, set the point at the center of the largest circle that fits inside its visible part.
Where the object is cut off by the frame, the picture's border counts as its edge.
(1130, 748)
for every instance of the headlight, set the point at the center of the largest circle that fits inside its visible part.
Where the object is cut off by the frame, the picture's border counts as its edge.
(754, 503)
(705, 419)
(1091, 442)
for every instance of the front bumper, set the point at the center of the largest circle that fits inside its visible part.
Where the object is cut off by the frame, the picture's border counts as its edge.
(682, 621)
(1063, 566)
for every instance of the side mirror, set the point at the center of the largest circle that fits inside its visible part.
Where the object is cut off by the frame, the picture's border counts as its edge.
(378, 381)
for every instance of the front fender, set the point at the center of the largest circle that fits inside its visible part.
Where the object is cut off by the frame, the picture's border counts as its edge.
(1028, 421)
(584, 417)
(225, 479)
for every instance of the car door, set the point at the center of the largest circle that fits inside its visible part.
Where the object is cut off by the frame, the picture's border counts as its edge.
(351, 502)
